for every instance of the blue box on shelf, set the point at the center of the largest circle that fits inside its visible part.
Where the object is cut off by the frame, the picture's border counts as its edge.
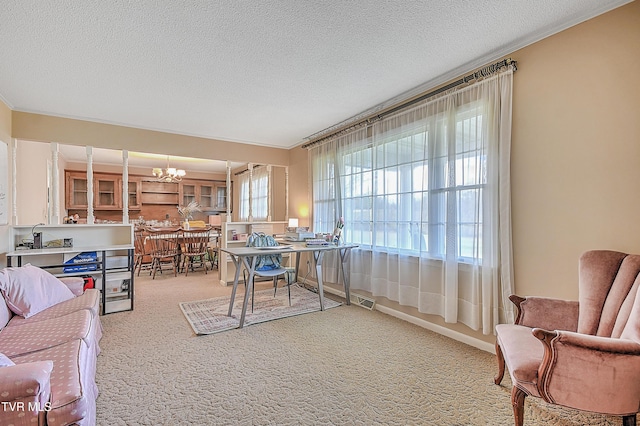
(81, 262)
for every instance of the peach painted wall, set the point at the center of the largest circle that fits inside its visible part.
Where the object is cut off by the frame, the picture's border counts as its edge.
(299, 186)
(576, 150)
(45, 128)
(575, 154)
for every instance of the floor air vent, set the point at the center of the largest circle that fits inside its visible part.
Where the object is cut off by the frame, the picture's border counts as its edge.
(363, 301)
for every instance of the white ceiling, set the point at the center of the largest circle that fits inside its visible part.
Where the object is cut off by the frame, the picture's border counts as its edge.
(268, 72)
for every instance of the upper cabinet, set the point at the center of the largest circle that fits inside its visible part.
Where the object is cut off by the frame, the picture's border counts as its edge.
(221, 198)
(135, 193)
(210, 195)
(76, 186)
(107, 191)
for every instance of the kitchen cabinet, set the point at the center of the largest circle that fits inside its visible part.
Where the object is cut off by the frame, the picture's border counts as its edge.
(107, 191)
(220, 201)
(188, 193)
(135, 193)
(76, 186)
(210, 195)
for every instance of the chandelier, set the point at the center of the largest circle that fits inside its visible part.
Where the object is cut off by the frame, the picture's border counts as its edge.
(170, 174)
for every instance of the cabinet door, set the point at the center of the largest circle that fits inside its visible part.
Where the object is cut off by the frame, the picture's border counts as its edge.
(187, 193)
(76, 191)
(207, 196)
(221, 197)
(135, 193)
(107, 193)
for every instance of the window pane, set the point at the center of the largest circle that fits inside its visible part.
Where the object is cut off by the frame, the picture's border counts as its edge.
(404, 207)
(406, 178)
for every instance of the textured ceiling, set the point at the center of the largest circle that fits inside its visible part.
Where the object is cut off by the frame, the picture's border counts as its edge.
(261, 72)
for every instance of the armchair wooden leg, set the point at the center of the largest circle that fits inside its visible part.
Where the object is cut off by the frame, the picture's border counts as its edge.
(517, 401)
(500, 358)
(629, 420)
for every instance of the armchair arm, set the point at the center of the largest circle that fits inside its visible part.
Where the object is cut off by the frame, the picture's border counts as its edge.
(546, 313)
(592, 373)
(25, 391)
(29, 381)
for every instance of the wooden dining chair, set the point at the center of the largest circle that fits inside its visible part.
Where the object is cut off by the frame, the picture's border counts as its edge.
(194, 248)
(141, 235)
(164, 250)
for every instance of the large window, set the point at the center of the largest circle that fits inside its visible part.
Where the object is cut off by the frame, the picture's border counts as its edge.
(402, 187)
(424, 192)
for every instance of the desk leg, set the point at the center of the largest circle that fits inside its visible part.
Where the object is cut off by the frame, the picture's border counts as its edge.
(344, 258)
(249, 287)
(317, 257)
(236, 263)
(297, 267)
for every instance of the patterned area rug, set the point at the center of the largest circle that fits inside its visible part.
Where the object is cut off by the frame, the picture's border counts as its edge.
(210, 316)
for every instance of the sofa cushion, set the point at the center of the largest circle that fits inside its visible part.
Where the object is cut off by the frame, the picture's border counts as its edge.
(89, 300)
(44, 334)
(29, 290)
(5, 312)
(523, 354)
(5, 361)
(73, 388)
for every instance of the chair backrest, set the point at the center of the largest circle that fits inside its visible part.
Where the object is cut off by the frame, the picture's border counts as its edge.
(195, 242)
(163, 243)
(140, 235)
(609, 297)
(265, 262)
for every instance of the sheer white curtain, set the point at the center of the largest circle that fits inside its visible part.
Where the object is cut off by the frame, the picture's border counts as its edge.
(260, 193)
(426, 195)
(254, 204)
(243, 183)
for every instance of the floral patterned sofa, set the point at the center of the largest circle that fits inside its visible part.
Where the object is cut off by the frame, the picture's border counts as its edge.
(49, 334)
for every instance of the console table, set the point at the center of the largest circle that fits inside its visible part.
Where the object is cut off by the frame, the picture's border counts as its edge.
(114, 265)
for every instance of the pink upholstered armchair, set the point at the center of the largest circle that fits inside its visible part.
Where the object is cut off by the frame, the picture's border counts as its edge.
(585, 354)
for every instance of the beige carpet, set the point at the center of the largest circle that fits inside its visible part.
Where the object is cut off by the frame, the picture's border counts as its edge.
(343, 366)
(210, 316)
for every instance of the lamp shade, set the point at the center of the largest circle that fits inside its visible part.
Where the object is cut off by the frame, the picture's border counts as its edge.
(293, 222)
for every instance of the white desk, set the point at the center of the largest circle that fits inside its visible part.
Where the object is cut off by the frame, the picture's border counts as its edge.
(248, 256)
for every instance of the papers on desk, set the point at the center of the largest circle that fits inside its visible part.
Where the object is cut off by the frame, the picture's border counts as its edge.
(316, 242)
(273, 247)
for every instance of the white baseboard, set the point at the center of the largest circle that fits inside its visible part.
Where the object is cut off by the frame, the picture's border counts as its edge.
(455, 335)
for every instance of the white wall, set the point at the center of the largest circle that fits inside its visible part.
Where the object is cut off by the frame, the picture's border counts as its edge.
(31, 165)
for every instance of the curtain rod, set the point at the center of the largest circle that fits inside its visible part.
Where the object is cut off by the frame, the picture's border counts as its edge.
(484, 72)
(255, 166)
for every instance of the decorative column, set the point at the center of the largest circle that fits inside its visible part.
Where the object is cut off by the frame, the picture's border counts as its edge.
(90, 217)
(14, 181)
(55, 184)
(269, 193)
(228, 191)
(286, 193)
(250, 192)
(125, 186)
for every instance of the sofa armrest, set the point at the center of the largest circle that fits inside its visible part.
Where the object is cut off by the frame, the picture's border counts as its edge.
(26, 382)
(75, 284)
(599, 374)
(546, 313)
